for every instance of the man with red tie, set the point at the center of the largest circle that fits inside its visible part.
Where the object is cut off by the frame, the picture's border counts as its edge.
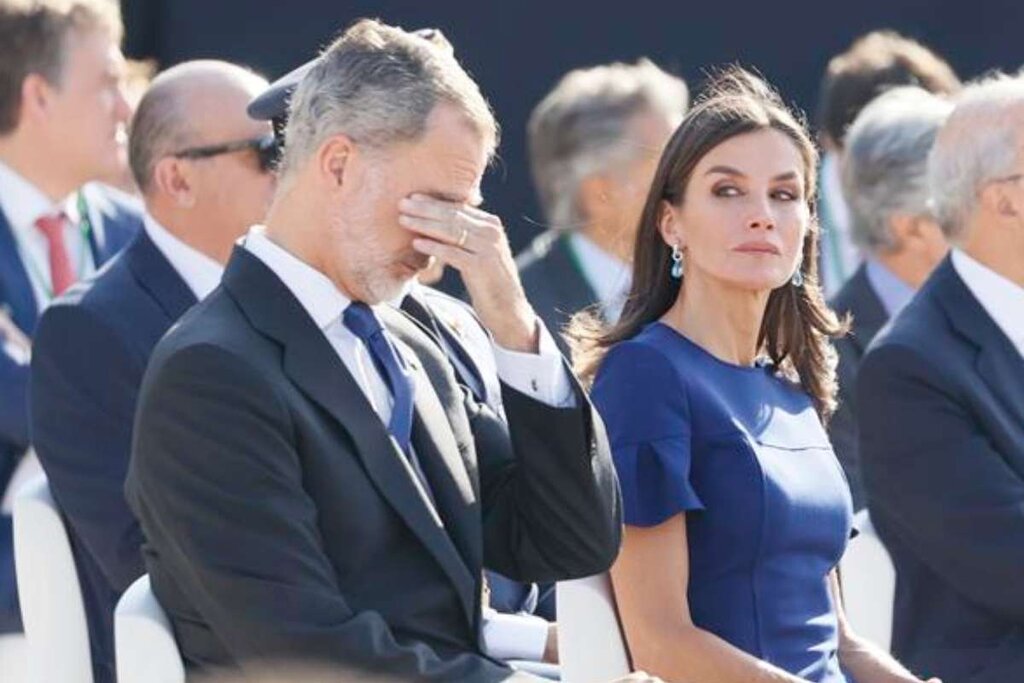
(62, 114)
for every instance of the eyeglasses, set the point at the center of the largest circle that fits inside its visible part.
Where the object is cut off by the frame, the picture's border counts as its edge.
(267, 149)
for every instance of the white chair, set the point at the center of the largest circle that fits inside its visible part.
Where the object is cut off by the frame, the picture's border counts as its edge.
(144, 643)
(14, 658)
(869, 584)
(51, 599)
(591, 648)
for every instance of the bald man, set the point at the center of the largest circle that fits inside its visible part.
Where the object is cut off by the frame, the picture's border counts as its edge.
(205, 171)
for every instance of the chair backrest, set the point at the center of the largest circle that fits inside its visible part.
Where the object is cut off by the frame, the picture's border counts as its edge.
(869, 584)
(52, 610)
(143, 640)
(591, 647)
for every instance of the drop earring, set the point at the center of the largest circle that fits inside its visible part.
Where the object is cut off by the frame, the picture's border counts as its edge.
(677, 262)
(798, 278)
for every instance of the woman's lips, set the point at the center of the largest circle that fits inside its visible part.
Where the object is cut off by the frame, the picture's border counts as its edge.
(758, 248)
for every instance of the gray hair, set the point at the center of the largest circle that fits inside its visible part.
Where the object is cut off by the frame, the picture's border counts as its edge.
(164, 121)
(581, 128)
(378, 84)
(885, 161)
(978, 144)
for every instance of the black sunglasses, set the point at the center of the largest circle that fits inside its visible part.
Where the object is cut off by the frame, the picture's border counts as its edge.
(267, 149)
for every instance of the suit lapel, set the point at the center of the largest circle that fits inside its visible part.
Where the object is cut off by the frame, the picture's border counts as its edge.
(449, 480)
(15, 287)
(568, 278)
(156, 275)
(312, 364)
(998, 363)
(113, 225)
(868, 312)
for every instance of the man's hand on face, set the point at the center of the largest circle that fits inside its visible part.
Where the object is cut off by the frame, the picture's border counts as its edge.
(473, 242)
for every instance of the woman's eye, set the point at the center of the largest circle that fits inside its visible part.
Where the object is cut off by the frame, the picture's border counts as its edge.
(726, 191)
(784, 195)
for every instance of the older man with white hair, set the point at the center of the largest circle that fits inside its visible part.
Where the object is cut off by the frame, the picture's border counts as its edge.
(941, 407)
(595, 141)
(885, 181)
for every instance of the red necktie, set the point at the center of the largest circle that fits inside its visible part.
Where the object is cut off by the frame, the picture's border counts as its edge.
(62, 275)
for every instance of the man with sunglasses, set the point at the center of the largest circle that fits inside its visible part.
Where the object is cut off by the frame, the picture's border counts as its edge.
(204, 169)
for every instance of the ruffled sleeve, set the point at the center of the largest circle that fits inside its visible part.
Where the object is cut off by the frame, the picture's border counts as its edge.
(642, 401)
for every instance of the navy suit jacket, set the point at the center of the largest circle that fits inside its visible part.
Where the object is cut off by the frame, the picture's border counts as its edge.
(472, 343)
(858, 298)
(120, 219)
(83, 405)
(553, 282)
(940, 397)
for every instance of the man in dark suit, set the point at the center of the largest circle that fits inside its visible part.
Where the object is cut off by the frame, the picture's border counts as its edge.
(466, 343)
(885, 169)
(594, 143)
(202, 190)
(61, 113)
(941, 410)
(312, 481)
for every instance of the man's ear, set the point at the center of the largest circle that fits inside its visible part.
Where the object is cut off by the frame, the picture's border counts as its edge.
(174, 178)
(996, 198)
(36, 96)
(333, 159)
(595, 191)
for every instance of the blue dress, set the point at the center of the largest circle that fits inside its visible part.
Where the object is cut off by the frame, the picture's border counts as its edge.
(743, 453)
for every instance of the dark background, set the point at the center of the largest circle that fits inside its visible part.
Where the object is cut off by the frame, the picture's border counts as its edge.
(517, 50)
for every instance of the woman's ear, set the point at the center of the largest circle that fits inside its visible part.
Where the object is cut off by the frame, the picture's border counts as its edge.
(668, 225)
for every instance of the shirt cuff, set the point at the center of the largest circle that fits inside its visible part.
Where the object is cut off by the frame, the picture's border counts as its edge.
(541, 375)
(514, 636)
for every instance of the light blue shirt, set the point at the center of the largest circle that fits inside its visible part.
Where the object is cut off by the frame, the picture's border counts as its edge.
(893, 292)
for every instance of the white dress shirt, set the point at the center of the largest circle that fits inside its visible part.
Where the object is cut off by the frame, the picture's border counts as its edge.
(1001, 298)
(609, 276)
(23, 203)
(201, 273)
(541, 375)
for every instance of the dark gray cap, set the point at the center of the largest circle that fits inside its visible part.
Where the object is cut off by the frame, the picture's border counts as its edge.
(272, 103)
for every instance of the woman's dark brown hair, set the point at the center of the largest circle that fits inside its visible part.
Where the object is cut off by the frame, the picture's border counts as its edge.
(798, 326)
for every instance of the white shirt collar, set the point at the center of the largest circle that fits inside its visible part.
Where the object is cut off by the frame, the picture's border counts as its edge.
(23, 203)
(201, 273)
(608, 275)
(314, 290)
(1001, 298)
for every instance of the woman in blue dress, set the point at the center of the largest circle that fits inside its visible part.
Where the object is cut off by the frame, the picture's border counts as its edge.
(713, 386)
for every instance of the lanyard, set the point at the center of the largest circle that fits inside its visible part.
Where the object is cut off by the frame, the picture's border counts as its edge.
(85, 230)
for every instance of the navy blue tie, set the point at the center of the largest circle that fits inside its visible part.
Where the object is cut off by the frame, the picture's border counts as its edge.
(362, 322)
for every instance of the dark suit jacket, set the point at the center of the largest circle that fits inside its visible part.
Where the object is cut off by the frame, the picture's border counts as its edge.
(120, 219)
(858, 298)
(553, 282)
(281, 521)
(940, 396)
(83, 403)
(466, 331)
